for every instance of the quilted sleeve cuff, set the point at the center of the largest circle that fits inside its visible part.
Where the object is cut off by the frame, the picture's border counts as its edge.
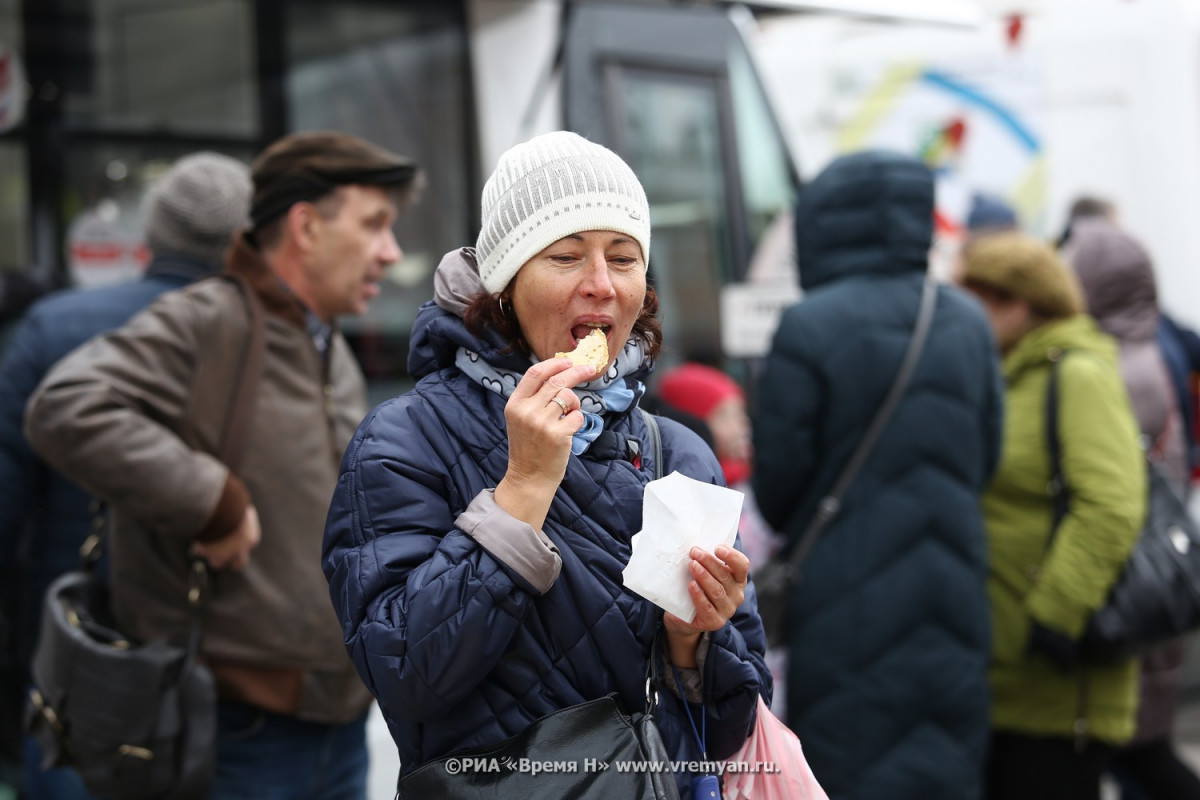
(514, 543)
(692, 679)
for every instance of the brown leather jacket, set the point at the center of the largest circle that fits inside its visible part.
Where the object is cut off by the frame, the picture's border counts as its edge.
(135, 417)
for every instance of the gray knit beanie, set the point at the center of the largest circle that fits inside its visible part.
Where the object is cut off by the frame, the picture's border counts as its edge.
(549, 187)
(197, 206)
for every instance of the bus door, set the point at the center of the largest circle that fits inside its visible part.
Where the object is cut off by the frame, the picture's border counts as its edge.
(674, 92)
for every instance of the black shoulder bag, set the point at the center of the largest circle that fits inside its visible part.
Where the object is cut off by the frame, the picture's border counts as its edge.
(134, 719)
(576, 748)
(1157, 597)
(773, 580)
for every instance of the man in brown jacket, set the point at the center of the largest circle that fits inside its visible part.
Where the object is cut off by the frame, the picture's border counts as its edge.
(136, 417)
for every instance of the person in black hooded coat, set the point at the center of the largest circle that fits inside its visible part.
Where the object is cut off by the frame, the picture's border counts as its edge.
(888, 627)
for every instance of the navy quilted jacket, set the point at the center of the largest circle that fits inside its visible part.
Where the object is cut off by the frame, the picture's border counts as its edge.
(44, 517)
(889, 625)
(458, 648)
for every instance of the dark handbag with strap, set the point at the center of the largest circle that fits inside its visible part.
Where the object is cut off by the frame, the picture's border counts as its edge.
(572, 752)
(134, 719)
(773, 580)
(1157, 597)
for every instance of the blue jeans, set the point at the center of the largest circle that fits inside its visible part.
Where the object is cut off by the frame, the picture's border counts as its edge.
(59, 783)
(265, 756)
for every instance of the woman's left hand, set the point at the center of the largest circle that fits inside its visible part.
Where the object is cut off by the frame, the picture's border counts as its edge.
(718, 587)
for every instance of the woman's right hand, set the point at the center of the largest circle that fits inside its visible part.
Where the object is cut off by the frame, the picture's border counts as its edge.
(542, 415)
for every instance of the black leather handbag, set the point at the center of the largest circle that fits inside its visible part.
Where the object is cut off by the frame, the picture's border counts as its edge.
(1157, 597)
(136, 720)
(569, 753)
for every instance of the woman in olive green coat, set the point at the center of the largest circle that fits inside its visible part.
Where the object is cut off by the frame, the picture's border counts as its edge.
(1055, 720)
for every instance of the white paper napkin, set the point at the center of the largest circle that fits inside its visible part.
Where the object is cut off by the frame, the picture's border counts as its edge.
(678, 513)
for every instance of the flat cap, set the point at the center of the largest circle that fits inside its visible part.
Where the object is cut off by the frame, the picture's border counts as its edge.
(303, 167)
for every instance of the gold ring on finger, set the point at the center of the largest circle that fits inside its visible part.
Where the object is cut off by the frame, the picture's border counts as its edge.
(561, 404)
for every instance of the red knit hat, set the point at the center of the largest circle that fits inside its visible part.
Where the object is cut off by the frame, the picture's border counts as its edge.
(697, 389)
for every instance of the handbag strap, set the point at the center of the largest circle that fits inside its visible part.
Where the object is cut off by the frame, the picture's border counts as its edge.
(1059, 492)
(655, 441)
(653, 674)
(831, 503)
(234, 436)
(653, 679)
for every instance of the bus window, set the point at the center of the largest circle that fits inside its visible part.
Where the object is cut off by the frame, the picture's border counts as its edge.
(668, 125)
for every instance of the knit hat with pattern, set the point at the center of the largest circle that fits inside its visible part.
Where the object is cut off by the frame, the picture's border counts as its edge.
(549, 187)
(197, 206)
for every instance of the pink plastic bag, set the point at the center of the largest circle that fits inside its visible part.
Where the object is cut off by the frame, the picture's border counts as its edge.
(773, 746)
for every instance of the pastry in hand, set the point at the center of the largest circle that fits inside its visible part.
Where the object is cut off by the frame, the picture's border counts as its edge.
(592, 349)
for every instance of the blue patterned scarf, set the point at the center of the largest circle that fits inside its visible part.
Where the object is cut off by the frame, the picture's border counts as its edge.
(615, 390)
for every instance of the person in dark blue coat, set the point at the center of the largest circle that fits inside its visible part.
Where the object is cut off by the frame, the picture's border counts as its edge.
(1181, 350)
(888, 625)
(192, 213)
(475, 543)
(18, 291)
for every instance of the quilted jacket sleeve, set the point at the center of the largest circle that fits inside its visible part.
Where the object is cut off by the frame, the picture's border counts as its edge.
(426, 612)
(786, 423)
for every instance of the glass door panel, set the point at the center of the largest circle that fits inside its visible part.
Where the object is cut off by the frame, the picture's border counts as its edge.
(667, 126)
(395, 74)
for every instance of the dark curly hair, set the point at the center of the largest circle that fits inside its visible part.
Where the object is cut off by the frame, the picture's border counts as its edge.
(484, 313)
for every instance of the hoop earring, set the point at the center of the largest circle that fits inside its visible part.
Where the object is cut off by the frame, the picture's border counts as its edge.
(503, 310)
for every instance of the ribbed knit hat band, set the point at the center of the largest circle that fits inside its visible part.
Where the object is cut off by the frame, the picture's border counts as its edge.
(549, 187)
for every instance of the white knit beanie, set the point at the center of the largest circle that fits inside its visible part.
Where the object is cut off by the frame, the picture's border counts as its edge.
(549, 187)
